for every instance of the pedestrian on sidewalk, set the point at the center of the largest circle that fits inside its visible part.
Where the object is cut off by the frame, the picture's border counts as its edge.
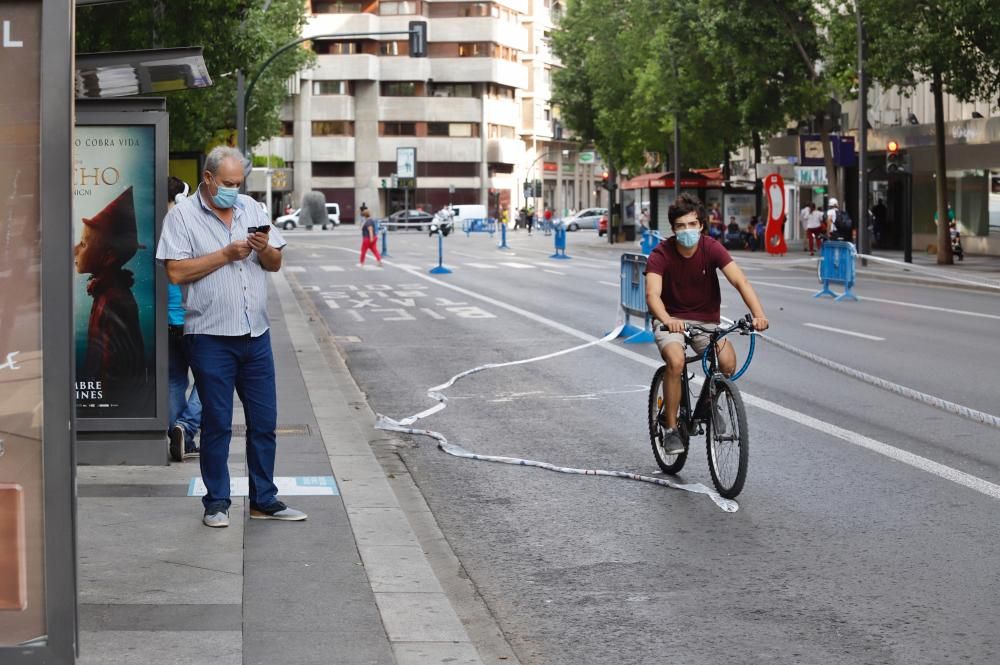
(814, 228)
(369, 238)
(207, 244)
(185, 410)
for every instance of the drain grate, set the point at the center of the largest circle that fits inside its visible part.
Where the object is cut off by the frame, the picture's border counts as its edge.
(282, 430)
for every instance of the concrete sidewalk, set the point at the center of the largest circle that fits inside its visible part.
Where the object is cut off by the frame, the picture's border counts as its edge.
(350, 585)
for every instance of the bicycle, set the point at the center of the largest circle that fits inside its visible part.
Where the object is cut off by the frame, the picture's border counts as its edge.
(726, 440)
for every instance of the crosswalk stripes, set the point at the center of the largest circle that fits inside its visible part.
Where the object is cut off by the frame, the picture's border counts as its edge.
(294, 269)
(332, 268)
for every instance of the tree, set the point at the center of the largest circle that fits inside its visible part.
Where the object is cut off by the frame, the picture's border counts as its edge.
(234, 35)
(954, 44)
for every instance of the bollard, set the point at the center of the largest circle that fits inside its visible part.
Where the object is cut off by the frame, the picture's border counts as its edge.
(439, 269)
(560, 243)
(503, 237)
(385, 248)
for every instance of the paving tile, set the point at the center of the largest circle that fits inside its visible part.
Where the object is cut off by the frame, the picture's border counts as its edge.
(435, 653)
(381, 526)
(420, 617)
(399, 569)
(160, 648)
(363, 645)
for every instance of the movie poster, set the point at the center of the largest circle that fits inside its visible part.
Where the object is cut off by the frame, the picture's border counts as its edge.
(22, 565)
(114, 213)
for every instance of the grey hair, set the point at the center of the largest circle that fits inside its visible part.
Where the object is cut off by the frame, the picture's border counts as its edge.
(219, 154)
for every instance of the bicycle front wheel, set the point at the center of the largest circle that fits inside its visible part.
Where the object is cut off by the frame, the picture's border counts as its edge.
(727, 439)
(668, 463)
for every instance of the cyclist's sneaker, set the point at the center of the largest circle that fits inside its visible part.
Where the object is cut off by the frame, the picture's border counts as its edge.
(672, 443)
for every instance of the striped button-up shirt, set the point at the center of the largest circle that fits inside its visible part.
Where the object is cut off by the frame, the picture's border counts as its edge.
(232, 300)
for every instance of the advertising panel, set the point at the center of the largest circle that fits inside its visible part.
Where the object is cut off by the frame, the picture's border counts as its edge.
(114, 227)
(22, 593)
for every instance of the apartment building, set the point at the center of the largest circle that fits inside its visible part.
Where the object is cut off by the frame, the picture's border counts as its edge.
(476, 109)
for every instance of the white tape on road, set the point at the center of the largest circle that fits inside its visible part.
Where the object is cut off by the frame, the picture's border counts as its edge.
(385, 423)
(933, 272)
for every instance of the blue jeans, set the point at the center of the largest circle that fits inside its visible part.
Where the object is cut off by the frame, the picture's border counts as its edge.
(246, 364)
(185, 410)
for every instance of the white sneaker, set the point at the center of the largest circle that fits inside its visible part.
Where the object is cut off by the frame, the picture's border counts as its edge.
(216, 520)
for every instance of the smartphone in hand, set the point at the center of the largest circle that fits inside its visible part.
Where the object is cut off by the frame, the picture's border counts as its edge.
(265, 228)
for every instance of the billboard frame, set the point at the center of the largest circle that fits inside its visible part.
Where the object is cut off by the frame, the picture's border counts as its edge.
(61, 641)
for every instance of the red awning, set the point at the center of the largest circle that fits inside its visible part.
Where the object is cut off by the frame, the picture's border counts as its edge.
(693, 179)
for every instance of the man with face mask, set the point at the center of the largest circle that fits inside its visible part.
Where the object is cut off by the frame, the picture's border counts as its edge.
(207, 245)
(682, 287)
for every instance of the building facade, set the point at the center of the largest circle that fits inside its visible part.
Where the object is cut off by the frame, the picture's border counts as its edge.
(476, 109)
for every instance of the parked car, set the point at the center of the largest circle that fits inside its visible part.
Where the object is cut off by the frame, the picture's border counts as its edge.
(408, 219)
(602, 225)
(291, 221)
(585, 219)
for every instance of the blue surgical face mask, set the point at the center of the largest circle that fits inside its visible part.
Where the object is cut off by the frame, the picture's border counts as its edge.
(226, 196)
(688, 237)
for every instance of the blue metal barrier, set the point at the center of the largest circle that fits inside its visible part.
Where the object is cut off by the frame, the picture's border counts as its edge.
(440, 268)
(503, 237)
(470, 226)
(560, 243)
(384, 233)
(836, 264)
(650, 239)
(633, 298)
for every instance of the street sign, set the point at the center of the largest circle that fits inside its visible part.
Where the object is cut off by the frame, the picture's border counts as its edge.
(588, 157)
(810, 176)
(395, 181)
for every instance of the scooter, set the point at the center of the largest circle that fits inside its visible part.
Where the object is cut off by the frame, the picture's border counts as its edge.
(444, 220)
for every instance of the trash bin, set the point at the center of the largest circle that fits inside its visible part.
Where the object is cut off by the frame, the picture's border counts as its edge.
(629, 232)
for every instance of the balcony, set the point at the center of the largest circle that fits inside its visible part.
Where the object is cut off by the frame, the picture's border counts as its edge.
(404, 68)
(430, 109)
(332, 107)
(332, 149)
(463, 70)
(504, 151)
(357, 67)
(431, 149)
(501, 111)
(479, 29)
(339, 24)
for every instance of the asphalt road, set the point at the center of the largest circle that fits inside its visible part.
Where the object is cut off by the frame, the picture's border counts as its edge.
(867, 531)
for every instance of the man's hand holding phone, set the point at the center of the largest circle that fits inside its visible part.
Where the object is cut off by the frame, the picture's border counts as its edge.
(257, 237)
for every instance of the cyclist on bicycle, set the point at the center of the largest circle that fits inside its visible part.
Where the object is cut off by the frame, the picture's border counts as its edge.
(682, 287)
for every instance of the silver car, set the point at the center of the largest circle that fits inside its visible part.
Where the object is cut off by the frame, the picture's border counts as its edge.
(585, 219)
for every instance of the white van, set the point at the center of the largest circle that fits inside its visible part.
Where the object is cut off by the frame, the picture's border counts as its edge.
(291, 221)
(464, 211)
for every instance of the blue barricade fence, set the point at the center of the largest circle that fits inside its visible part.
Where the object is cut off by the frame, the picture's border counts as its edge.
(503, 237)
(633, 299)
(470, 226)
(837, 264)
(560, 243)
(650, 239)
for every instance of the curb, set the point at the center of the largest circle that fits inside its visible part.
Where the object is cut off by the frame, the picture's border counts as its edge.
(417, 615)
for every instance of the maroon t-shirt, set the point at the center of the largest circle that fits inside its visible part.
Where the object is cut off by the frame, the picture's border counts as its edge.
(690, 285)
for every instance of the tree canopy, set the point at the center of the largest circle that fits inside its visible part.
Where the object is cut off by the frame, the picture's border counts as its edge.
(234, 34)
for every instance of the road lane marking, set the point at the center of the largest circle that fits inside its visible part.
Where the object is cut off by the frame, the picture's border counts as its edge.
(518, 266)
(614, 284)
(484, 266)
(331, 268)
(295, 269)
(899, 303)
(844, 332)
(552, 272)
(916, 461)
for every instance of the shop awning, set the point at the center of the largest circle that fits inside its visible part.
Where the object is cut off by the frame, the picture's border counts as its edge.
(693, 179)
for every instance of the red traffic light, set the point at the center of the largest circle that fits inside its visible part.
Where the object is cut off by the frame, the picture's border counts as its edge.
(604, 175)
(892, 146)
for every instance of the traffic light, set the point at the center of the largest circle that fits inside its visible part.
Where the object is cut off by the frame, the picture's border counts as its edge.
(529, 190)
(607, 183)
(418, 39)
(893, 158)
(383, 183)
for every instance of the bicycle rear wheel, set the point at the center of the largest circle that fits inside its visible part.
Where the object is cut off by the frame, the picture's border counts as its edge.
(668, 463)
(727, 439)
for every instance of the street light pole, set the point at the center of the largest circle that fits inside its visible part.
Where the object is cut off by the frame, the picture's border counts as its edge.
(864, 237)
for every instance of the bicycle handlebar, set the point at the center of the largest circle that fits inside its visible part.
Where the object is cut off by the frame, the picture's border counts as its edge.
(743, 325)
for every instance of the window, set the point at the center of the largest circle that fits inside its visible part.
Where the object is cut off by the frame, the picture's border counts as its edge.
(474, 9)
(397, 8)
(332, 128)
(470, 50)
(452, 90)
(333, 169)
(287, 128)
(501, 132)
(500, 92)
(454, 129)
(399, 129)
(399, 89)
(336, 7)
(392, 48)
(336, 48)
(331, 88)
